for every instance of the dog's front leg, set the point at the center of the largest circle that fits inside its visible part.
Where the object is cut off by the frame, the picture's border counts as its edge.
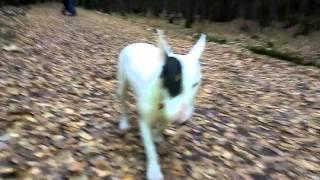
(153, 166)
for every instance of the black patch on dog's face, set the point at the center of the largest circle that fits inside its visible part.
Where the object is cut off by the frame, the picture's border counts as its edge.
(172, 76)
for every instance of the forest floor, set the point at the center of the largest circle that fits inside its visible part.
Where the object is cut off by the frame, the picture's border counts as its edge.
(255, 117)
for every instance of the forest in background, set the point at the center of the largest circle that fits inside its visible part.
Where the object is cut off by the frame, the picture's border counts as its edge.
(291, 12)
(264, 12)
(301, 16)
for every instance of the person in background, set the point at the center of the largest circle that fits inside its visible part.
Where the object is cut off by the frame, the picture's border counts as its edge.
(69, 8)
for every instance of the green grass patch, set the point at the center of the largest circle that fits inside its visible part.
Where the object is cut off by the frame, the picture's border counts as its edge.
(219, 40)
(288, 56)
(211, 38)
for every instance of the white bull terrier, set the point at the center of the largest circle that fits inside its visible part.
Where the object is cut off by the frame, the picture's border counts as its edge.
(164, 84)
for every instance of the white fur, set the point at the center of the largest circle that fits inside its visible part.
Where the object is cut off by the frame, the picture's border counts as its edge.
(140, 66)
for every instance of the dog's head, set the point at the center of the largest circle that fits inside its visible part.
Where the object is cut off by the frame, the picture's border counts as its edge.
(181, 78)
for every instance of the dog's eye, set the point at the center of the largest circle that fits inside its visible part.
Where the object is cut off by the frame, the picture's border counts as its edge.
(195, 84)
(177, 78)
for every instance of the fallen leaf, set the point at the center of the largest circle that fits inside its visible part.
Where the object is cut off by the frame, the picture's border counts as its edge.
(30, 118)
(35, 171)
(312, 166)
(227, 154)
(85, 136)
(102, 173)
(69, 111)
(75, 166)
(11, 47)
(188, 153)
(79, 177)
(101, 163)
(13, 90)
(128, 177)
(177, 168)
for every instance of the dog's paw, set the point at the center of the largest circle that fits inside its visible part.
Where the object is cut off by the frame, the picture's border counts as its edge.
(123, 123)
(154, 172)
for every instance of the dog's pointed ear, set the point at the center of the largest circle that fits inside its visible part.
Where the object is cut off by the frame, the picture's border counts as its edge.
(198, 48)
(163, 45)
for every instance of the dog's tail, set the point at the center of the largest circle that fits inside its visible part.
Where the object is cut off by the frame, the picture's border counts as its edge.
(162, 43)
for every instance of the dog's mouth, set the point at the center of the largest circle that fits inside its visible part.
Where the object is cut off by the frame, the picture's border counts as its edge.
(175, 123)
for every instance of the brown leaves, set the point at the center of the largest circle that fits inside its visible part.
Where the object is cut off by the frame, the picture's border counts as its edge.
(13, 90)
(101, 167)
(85, 136)
(69, 111)
(6, 170)
(11, 47)
(30, 118)
(68, 160)
(307, 164)
(75, 166)
(177, 168)
(58, 109)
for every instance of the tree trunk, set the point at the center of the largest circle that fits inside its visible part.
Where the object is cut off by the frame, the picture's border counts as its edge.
(189, 16)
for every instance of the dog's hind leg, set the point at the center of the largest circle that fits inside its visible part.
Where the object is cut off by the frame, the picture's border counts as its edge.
(157, 130)
(123, 96)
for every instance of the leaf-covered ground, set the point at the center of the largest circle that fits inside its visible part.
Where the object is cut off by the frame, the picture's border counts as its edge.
(255, 117)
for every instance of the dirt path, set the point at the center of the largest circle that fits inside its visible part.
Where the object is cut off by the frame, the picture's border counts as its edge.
(255, 117)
